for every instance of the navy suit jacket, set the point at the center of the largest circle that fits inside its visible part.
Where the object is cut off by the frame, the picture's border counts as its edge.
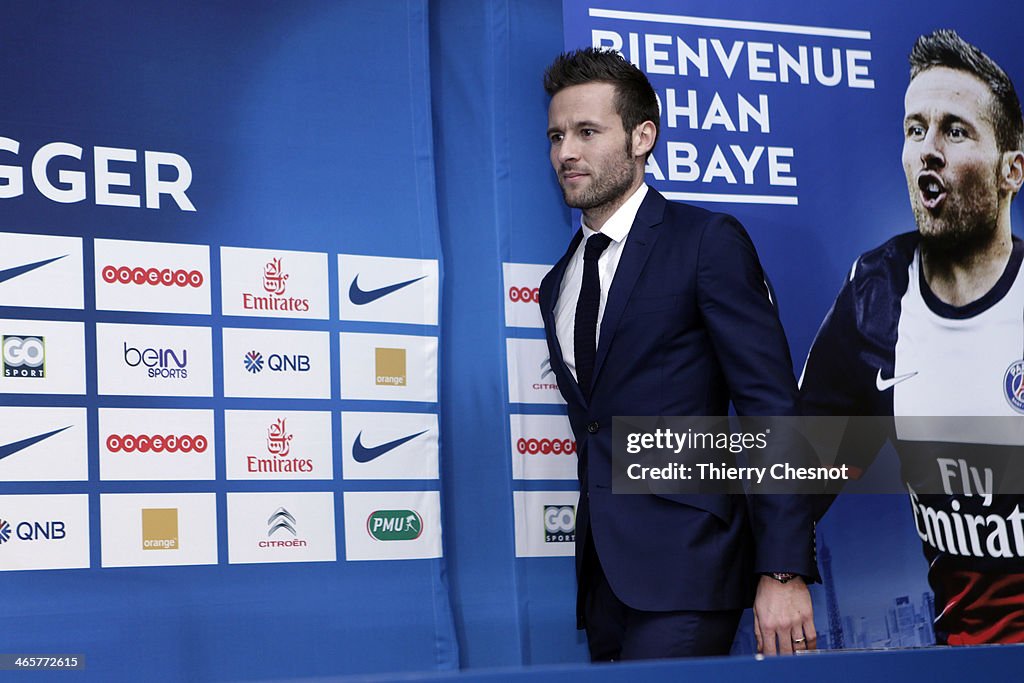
(689, 325)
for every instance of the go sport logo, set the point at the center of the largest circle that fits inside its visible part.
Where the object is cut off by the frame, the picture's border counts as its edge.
(559, 523)
(23, 356)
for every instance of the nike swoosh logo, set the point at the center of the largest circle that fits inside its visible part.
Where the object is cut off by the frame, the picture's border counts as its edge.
(361, 297)
(883, 384)
(361, 453)
(12, 448)
(11, 273)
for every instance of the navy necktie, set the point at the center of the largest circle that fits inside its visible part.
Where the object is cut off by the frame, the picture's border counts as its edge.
(585, 330)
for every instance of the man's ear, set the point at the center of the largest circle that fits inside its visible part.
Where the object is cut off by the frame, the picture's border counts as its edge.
(643, 138)
(1011, 174)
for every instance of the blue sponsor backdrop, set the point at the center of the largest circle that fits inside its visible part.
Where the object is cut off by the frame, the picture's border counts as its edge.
(416, 129)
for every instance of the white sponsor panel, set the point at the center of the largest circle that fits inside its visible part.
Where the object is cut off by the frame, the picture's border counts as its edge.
(392, 525)
(274, 283)
(153, 360)
(545, 523)
(42, 357)
(389, 445)
(276, 363)
(530, 377)
(41, 271)
(43, 444)
(388, 367)
(522, 294)
(543, 447)
(44, 532)
(278, 444)
(156, 445)
(281, 527)
(158, 529)
(385, 289)
(156, 277)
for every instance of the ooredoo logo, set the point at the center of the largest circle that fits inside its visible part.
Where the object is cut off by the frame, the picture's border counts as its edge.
(526, 295)
(275, 283)
(157, 443)
(531, 446)
(159, 362)
(559, 523)
(23, 356)
(167, 277)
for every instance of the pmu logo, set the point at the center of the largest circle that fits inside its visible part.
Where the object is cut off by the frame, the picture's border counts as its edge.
(157, 443)
(54, 530)
(275, 282)
(156, 277)
(276, 362)
(390, 367)
(559, 523)
(394, 525)
(166, 363)
(279, 446)
(23, 356)
(160, 529)
(546, 446)
(282, 525)
(526, 295)
(546, 371)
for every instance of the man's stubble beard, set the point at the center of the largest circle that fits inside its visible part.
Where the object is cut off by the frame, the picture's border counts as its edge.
(611, 186)
(968, 221)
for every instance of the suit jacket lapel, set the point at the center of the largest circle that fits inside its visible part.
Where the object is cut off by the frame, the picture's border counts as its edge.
(636, 250)
(547, 310)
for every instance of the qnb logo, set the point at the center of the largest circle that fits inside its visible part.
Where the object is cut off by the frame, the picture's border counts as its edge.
(276, 362)
(279, 446)
(559, 524)
(546, 446)
(282, 524)
(524, 295)
(166, 363)
(24, 356)
(126, 275)
(546, 371)
(157, 443)
(54, 530)
(394, 525)
(275, 281)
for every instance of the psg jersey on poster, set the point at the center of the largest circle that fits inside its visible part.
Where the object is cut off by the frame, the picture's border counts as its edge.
(952, 378)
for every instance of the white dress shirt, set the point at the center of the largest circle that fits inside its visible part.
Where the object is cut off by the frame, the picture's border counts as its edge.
(617, 228)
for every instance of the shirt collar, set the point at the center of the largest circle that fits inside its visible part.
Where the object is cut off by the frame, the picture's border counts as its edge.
(618, 224)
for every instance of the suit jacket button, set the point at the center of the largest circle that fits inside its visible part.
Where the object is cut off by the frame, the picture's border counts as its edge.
(593, 427)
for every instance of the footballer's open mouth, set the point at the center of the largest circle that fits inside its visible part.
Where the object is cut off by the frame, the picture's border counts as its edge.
(933, 191)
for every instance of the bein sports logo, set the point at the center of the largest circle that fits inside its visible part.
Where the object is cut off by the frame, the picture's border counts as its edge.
(274, 284)
(559, 523)
(157, 443)
(163, 363)
(276, 362)
(23, 356)
(127, 275)
(546, 446)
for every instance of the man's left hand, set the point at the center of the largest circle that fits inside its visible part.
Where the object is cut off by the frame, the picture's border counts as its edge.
(783, 617)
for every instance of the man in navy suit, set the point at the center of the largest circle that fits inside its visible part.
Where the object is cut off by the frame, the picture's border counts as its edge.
(660, 308)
